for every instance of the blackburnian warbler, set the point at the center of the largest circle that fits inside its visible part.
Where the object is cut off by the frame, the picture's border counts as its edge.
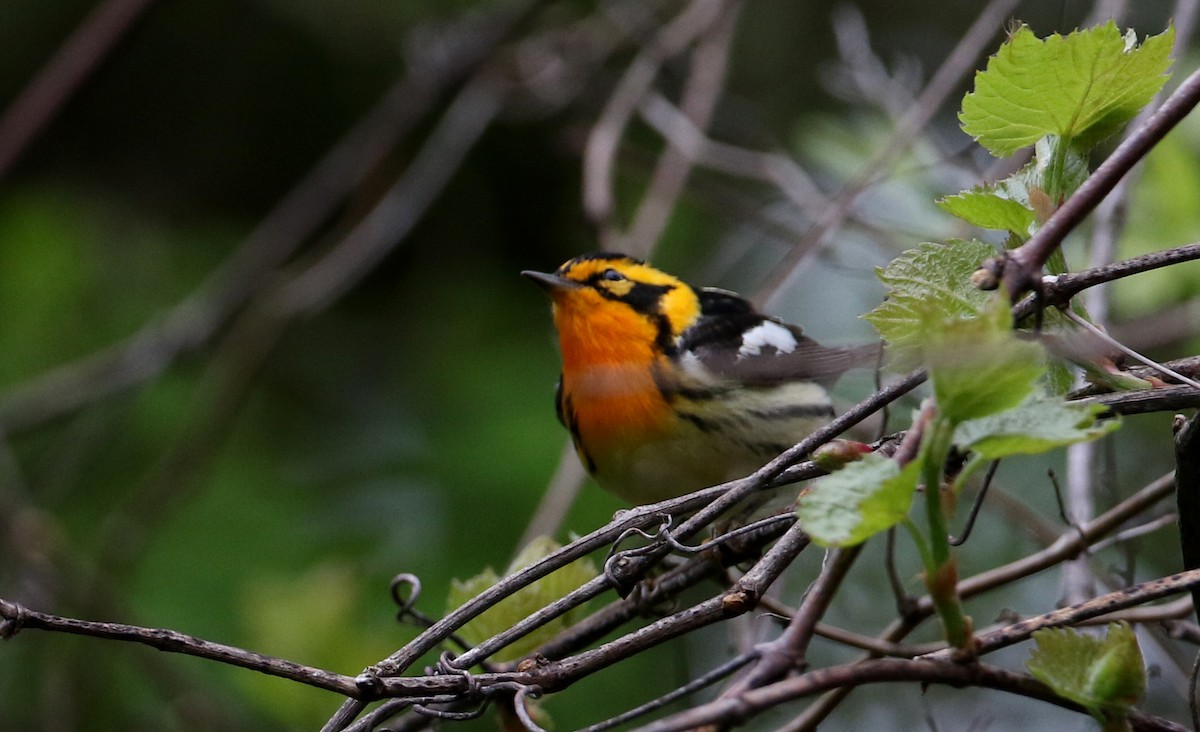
(667, 388)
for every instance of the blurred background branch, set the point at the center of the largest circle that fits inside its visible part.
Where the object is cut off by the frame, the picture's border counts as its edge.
(265, 345)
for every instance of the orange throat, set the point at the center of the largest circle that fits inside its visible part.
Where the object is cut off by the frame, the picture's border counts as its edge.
(610, 398)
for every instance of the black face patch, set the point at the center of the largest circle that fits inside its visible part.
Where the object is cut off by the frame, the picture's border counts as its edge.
(640, 296)
(616, 284)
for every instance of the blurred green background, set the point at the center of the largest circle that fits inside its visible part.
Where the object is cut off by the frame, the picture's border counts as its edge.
(260, 484)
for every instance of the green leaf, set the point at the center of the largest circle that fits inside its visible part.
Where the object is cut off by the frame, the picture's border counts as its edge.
(523, 602)
(1036, 425)
(979, 367)
(1082, 87)
(1058, 169)
(858, 501)
(933, 280)
(1106, 676)
(990, 207)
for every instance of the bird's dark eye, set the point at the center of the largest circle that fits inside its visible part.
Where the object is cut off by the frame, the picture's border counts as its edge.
(612, 275)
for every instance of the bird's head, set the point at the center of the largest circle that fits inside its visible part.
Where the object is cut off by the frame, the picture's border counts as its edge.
(618, 296)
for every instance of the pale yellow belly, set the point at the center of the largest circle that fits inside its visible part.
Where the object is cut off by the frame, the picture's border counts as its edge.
(720, 440)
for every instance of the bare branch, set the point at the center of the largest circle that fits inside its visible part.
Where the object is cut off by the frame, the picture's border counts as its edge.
(1097, 606)
(1068, 545)
(78, 57)
(733, 711)
(198, 318)
(710, 60)
(1022, 266)
(944, 81)
(775, 168)
(1166, 399)
(777, 658)
(16, 618)
(599, 161)
(1057, 290)
(700, 682)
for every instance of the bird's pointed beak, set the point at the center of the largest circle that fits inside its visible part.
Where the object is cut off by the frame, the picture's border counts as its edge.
(550, 282)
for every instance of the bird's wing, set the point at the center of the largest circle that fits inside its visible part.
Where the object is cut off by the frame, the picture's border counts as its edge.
(733, 341)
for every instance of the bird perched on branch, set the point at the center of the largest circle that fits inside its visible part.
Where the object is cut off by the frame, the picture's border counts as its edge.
(667, 388)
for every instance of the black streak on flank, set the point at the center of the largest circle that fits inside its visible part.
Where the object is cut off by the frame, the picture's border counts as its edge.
(702, 424)
(567, 415)
(672, 389)
(558, 403)
(795, 411)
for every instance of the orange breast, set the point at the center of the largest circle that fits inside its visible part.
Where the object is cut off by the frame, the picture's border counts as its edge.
(608, 373)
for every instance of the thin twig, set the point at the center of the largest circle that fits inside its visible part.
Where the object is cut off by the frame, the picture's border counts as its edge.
(389, 222)
(959, 62)
(664, 587)
(74, 61)
(1022, 267)
(1067, 545)
(1058, 290)
(1097, 606)
(1165, 399)
(700, 682)
(14, 618)
(1129, 351)
(599, 160)
(558, 497)
(710, 60)
(1134, 532)
(199, 317)
(876, 645)
(777, 658)
(734, 711)
(775, 168)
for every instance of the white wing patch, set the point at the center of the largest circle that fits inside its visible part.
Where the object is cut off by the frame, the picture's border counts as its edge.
(692, 366)
(695, 369)
(766, 335)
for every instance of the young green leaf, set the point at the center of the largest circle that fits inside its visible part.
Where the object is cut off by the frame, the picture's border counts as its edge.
(858, 501)
(979, 367)
(933, 280)
(523, 602)
(1082, 87)
(990, 207)
(1028, 197)
(1059, 167)
(1036, 425)
(1106, 676)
